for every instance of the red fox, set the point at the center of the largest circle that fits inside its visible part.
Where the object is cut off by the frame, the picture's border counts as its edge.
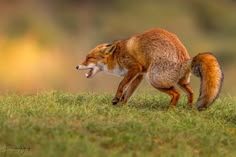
(162, 58)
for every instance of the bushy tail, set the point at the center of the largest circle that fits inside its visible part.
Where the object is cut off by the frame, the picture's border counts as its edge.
(206, 66)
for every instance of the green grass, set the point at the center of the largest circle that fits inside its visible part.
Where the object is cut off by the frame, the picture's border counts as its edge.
(65, 124)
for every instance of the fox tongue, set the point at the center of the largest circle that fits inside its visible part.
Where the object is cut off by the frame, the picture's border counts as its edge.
(89, 73)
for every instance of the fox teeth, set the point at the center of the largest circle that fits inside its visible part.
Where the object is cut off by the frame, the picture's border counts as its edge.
(86, 75)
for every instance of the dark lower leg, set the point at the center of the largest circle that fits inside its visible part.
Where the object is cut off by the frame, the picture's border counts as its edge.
(131, 88)
(174, 95)
(188, 90)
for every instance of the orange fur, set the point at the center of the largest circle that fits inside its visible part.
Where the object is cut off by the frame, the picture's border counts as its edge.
(160, 56)
(208, 68)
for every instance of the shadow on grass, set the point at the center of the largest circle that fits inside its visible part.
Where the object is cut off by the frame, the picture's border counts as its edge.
(151, 103)
(155, 103)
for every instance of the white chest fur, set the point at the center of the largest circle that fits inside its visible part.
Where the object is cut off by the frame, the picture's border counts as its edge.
(117, 71)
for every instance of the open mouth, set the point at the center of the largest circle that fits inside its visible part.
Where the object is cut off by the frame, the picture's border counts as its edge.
(91, 70)
(89, 74)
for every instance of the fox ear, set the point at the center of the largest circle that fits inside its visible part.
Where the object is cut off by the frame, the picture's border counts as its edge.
(109, 48)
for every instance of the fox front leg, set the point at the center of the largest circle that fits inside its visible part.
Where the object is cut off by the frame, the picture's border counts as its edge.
(131, 88)
(123, 84)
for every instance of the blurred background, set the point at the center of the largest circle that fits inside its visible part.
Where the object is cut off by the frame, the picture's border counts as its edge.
(42, 41)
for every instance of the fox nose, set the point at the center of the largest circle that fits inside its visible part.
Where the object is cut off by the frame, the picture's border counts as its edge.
(77, 67)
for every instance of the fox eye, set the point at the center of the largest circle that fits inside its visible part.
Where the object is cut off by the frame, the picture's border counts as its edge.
(90, 57)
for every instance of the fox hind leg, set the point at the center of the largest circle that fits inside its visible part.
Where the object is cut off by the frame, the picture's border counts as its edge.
(184, 85)
(173, 92)
(163, 75)
(188, 90)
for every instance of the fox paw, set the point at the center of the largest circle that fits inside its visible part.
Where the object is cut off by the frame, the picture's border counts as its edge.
(115, 101)
(123, 100)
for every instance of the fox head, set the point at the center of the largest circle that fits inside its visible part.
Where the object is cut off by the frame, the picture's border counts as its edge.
(96, 59)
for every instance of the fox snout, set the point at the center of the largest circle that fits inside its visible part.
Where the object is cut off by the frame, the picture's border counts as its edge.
(82, 67)
(93, 69)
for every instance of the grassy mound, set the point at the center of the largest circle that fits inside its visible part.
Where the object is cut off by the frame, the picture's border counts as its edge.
(65, 124)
